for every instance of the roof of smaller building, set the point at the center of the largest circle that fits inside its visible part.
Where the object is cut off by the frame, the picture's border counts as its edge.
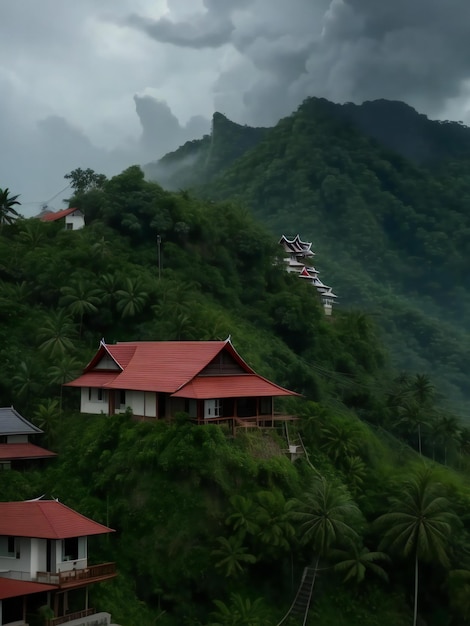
(10, 588)
(57, 215)
(206, 387)
(46, 519)
(23, 451)
(12, 423)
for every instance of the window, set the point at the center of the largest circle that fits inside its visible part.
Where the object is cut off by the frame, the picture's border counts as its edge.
(3, 439)
(74, 548)
(69, 226)
(9, 547)
(97, 395)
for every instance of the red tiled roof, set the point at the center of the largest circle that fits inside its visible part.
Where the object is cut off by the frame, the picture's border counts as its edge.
(10, 588)
(46, 519)
(162, 366)
(12, 451)
(53, 216)
(171, 367)
(205, 387)
(93, 379)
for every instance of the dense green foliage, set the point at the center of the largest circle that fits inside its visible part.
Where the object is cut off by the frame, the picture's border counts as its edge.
(212, 529)
(391, 236)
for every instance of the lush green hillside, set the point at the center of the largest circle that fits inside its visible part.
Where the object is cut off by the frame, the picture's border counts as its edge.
(391, 236)
(212, 529)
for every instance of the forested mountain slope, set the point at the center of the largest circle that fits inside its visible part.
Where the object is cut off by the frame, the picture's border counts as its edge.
(392, 237)
(212, 529)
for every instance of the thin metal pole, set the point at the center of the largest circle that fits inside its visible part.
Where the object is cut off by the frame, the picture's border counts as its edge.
(159, 243)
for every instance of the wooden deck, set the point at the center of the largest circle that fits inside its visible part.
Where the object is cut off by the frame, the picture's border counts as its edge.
(79, 577)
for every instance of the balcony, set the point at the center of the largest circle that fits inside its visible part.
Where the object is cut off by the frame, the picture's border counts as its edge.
(78, 577)
(70, 617)
(87, 617)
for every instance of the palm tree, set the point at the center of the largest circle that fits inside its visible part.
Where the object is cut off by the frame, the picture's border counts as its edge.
(275, 528)
(240, 612)
(232, 556)
(445, 432)
(243, 518)
(64, 370)
(327, 517)
(80, 299)
(340, 440)
(47, 417)
(357, 560)
(27, 382)
(7, 202)
(418, 524)
(56, 333)
(131, 298)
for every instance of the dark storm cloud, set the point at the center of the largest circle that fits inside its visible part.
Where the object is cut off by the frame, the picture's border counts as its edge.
(416, 50)
(161, 130)
(78, 65)
(202, 31)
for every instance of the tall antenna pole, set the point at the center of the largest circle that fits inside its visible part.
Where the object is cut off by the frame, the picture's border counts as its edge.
(159, 245)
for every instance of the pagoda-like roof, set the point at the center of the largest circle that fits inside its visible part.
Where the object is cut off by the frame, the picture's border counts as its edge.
(297, 246)
(12, 423)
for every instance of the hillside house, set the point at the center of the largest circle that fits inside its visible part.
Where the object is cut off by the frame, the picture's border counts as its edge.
(298, 255)
(16, 450)
(44, 561)
(208, 380)
(73, 219)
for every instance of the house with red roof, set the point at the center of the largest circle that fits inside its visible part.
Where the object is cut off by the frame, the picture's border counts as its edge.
(73, 218)
(44, 562)
(16, 451)
(208, 380)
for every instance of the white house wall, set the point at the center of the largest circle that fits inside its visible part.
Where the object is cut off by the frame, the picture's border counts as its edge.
(18, 568)
(92, 406)
(76, 219)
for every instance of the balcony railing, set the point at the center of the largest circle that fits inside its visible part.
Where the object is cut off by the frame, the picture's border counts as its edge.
(70, 617)
(90, 573)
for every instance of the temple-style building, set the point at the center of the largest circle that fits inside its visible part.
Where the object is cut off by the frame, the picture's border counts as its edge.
(298, 255)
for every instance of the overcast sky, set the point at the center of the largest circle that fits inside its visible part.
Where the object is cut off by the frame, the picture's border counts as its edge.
(108, 83)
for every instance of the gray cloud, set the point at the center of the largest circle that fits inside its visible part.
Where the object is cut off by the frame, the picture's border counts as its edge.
(201, 31)
(109, 84)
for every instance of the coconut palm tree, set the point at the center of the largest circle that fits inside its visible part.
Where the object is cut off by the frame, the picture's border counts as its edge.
(7, 213)
(275, 528)
(57, 333)
(240, 612)
(80, 300)
(63, 371)
(243, 518)
(327, 517)
(418, 525)
(132, 298)
(356, 561)
(232, 556)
